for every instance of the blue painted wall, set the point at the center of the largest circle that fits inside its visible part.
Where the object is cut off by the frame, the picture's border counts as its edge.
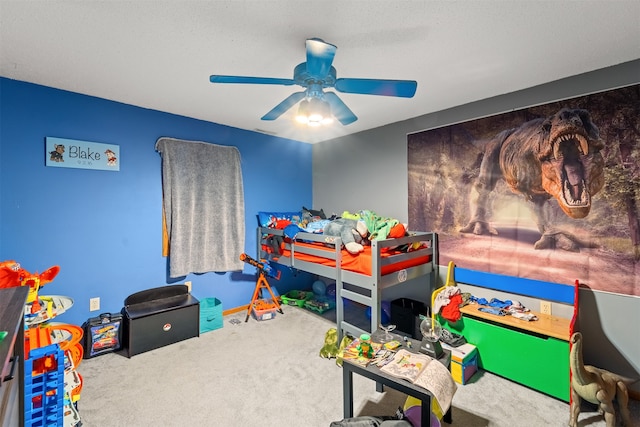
(104, 229)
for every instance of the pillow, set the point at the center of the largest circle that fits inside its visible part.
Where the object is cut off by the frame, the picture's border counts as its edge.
(267, 219)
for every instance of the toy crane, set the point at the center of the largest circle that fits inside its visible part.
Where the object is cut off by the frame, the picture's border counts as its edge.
(257, 303)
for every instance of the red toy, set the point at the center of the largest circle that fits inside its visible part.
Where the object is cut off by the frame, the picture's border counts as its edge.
(12, 275)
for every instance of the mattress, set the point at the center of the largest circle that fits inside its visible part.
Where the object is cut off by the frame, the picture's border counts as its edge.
(360, 263)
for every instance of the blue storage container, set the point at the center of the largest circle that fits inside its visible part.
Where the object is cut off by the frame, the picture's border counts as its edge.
(210, 314)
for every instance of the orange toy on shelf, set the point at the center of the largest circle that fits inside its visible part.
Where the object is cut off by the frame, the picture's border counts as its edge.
(12, 275)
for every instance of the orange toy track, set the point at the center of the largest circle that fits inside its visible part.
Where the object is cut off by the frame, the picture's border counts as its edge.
(66, 335)
(37, 338)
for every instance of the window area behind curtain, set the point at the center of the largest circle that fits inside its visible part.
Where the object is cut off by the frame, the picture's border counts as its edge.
(203, 206)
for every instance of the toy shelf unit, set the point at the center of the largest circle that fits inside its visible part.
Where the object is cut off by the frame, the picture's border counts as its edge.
(52, 384)
(44, 387)
(532, 353)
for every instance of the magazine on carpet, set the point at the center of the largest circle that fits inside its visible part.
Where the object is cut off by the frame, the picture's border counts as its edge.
(426, 372)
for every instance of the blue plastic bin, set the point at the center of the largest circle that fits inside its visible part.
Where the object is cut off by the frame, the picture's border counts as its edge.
(210, 314)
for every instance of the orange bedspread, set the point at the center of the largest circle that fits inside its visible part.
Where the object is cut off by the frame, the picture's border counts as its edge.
(360, 263)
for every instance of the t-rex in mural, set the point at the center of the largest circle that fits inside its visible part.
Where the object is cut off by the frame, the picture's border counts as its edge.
(555, 157)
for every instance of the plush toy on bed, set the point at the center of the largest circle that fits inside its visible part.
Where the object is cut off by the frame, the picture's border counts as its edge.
(352, 232)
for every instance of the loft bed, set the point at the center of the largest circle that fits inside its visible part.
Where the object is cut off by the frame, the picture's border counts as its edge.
(359, 278)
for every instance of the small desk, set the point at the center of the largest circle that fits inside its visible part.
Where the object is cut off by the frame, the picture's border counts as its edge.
(382, 379)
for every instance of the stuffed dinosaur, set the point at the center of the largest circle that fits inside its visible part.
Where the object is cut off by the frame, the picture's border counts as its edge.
(597, 386)
(346, 340)
(330, 347)
(352, 232)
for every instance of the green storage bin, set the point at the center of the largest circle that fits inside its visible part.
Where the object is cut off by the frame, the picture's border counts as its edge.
(210, 314)
(539, 362)
(296, 298)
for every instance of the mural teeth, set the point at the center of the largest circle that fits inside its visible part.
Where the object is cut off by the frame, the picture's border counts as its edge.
(556, 151)
(584, 146)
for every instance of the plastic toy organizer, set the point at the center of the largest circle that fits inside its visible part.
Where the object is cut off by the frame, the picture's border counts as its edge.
(44, 387)
(52, 383)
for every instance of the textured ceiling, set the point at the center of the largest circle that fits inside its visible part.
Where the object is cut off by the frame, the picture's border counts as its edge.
(160, 54)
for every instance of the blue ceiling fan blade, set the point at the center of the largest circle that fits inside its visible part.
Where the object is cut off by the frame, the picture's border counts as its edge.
(319, 57)
(400, 88)
(281, 108)
(251, 80)
(339, 109)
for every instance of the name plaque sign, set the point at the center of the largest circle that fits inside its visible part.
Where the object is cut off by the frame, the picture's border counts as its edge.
(71, 153)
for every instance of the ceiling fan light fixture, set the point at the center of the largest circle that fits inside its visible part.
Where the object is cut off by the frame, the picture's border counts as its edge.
(316, 74)
(303, 112)
(314, 112)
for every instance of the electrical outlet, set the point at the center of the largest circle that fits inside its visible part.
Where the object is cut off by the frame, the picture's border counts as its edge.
(188, 284)
(545, 307)
(94, 304)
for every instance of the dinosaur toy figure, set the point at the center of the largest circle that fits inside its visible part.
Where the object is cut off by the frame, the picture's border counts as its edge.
(597, 386)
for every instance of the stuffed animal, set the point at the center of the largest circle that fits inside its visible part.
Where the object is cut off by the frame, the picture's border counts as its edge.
(352, 232)
(330, 347)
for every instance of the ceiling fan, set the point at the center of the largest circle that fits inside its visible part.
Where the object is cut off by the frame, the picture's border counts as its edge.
(317, 74)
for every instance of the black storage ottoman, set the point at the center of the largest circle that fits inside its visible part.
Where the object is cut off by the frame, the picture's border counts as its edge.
(160, 316)
(405, 314)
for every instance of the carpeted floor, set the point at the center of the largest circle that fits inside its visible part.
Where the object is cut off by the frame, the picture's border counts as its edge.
(269, 373)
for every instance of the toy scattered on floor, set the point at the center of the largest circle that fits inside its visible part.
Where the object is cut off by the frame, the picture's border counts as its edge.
(330, 347)
(296, 298)
(412, 410)
(320, 304)
(596, 386)
(319, 300)
(262, 309)
(319, 288)
(346, 341)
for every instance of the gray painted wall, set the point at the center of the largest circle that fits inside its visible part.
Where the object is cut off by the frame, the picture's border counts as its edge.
(368, 170)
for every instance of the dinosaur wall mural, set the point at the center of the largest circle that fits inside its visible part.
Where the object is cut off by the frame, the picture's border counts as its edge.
(557, 157)
(550, 192)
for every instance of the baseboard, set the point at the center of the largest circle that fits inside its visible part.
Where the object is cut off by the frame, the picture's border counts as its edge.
(235, 310)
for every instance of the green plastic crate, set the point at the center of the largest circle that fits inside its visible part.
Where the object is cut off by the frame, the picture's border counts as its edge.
(296, 298)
